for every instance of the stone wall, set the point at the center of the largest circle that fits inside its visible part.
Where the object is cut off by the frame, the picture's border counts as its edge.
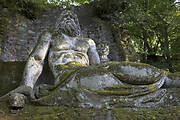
(20, 34)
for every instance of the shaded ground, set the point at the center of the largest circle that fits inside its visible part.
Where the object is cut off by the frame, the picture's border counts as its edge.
(64, 113)
(169, 111)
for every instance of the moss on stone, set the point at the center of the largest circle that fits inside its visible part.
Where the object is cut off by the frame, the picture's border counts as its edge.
(90, 71)
(129, 91)
(169, 113)
(120, 87)
(3, 27)
(78, 72)
(108, 92)
(46, 113)
(65, 113)
(115, 68)
(174, 76)
(133, 79)
(39, 41)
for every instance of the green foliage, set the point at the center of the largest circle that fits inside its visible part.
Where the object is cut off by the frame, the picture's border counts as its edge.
(158, 14)
(28, 8)
(68, 3)
(3, 25)
(31, 8)
(153, 26)
(105, 8)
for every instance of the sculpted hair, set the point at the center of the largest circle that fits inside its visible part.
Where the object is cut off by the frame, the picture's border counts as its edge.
(63, 27)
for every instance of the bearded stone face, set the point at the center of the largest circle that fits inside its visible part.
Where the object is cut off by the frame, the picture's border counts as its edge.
(68, 24)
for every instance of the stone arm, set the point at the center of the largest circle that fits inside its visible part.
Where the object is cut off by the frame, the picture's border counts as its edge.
(35, 61)
(92, 53)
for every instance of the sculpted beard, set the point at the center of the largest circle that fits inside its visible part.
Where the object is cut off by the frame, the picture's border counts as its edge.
(69, 27)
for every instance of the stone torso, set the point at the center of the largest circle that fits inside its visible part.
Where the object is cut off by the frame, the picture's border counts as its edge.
(65, 49)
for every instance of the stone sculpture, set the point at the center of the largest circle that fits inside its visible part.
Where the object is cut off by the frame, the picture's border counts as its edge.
(103, 52)
(80, 79)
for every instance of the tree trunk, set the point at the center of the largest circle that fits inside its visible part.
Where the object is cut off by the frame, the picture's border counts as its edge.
(146, 5)
(166, 49)
(145, 46)
(145, 34)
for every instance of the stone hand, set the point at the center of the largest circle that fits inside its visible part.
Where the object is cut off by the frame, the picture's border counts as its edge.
(42, 90)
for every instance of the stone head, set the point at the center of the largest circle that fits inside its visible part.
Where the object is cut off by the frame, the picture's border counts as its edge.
(68, 24)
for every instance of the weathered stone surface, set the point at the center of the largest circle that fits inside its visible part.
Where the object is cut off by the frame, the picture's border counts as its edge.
(173, 80)
(107, 86)
(18, 36)
(11, 75)
(171, 98)
(17, 100)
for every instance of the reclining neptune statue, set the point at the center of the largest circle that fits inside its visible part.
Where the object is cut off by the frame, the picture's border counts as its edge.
(80, 78)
